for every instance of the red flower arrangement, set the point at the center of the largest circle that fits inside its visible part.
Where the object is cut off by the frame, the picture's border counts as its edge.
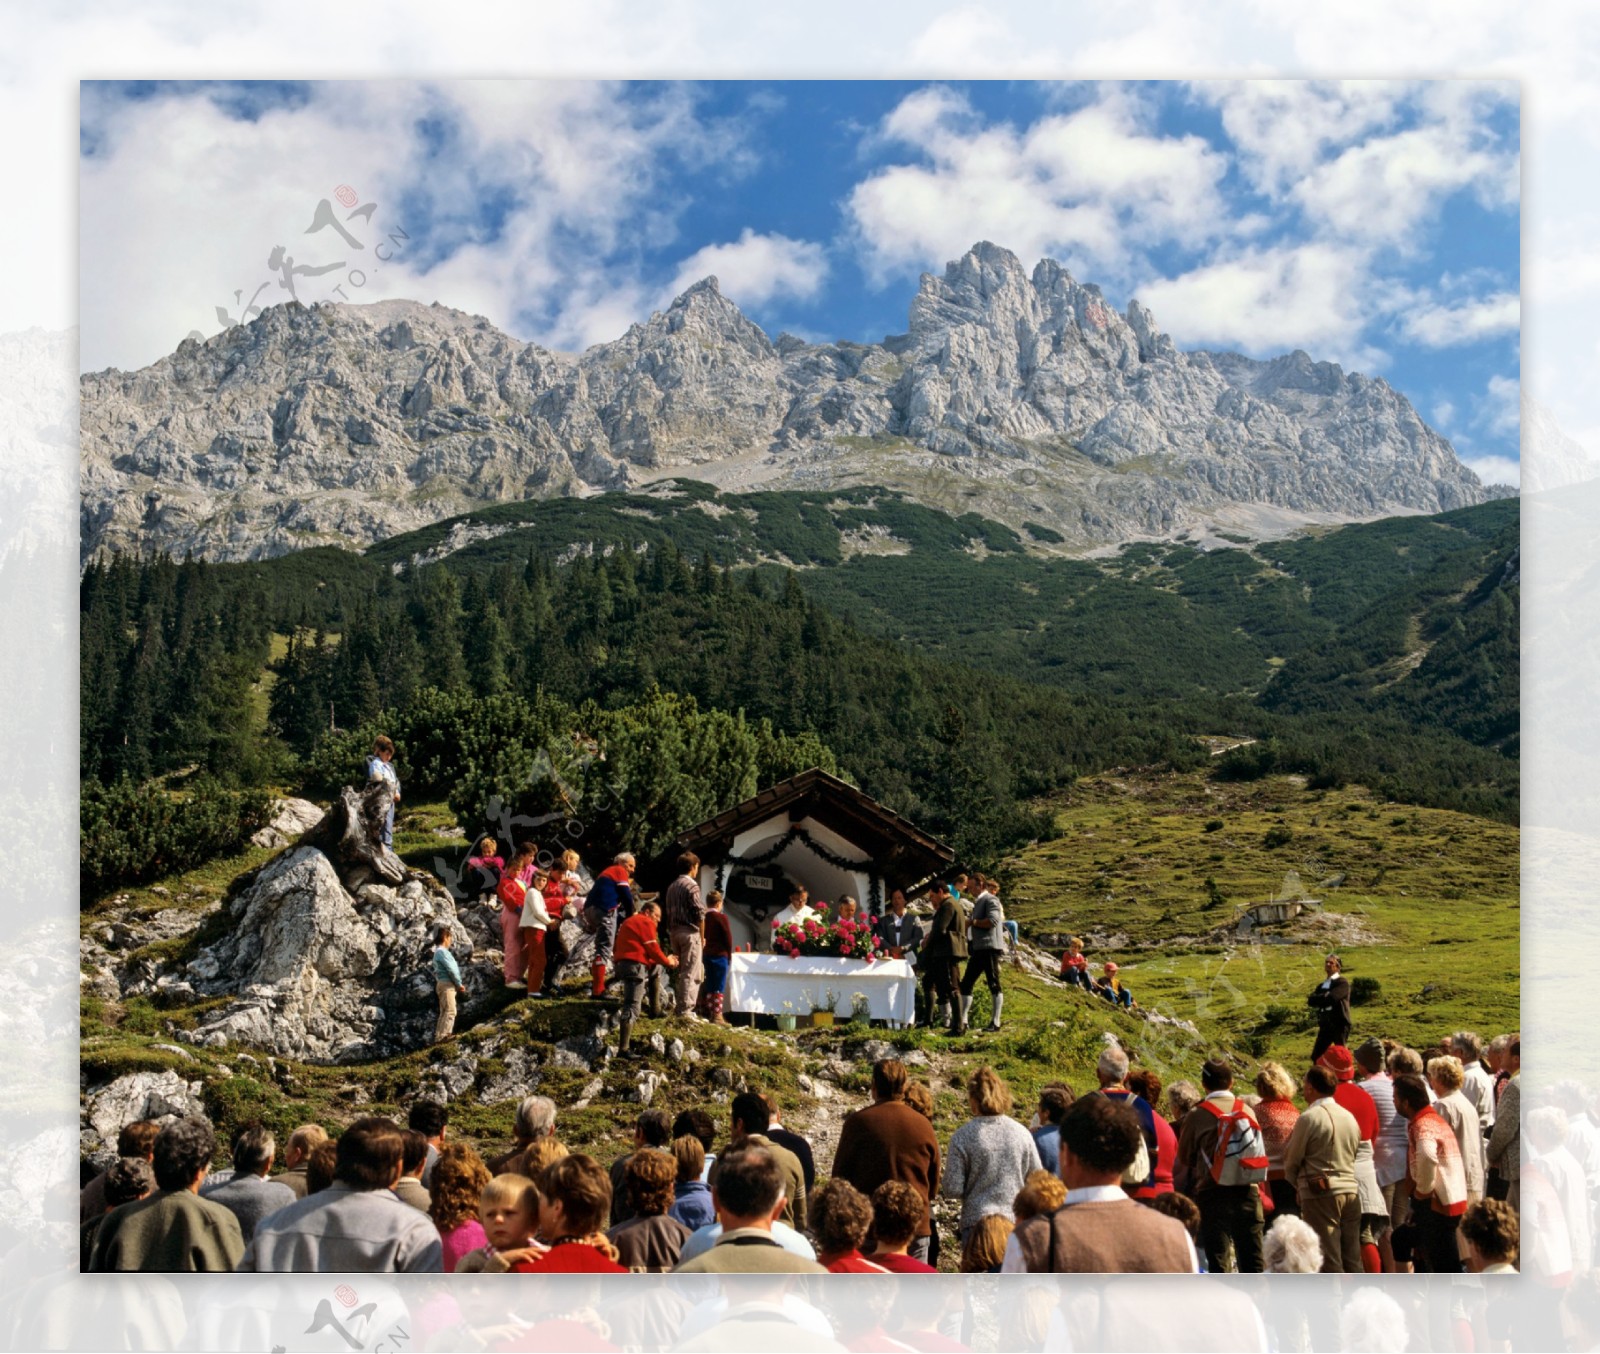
(828, 940)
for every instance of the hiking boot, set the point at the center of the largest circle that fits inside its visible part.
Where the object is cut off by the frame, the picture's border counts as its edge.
(517, 985)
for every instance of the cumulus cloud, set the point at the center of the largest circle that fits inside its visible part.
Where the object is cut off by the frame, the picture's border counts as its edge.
(1265, 300)
(1384, 188)
(1442, 326)
(1494, 469)
(1085, 186)
(755, 269)
(516, 195)
(1500, 409)
(1284, 128)
(1369, 160)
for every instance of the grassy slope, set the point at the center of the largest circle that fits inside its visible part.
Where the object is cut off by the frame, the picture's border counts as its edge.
(119, 1037)
(1432, 893)
(1426, 903)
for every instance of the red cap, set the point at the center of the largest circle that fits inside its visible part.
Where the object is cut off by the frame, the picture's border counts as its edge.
(1110, 966)
(1339, 1061)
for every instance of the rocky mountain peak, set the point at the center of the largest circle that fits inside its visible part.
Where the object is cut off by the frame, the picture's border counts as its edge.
(1024, 394)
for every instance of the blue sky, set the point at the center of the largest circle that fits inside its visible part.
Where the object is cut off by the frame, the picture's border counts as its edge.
(1375, 224)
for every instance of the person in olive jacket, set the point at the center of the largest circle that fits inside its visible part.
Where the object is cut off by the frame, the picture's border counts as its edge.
(1330, 999)
(943, 952)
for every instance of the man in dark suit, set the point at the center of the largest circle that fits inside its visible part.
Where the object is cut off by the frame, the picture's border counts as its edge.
(942, 953)
(898, 930)
(786, 1137)
(901, 934)
(889, 1140)
(1330, 999)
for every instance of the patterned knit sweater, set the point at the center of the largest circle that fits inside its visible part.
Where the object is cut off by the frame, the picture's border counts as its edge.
(1277, 1120)
(1437, 1171)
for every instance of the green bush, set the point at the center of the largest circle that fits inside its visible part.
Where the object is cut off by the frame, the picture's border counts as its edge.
(1276, 837)
(1363, 990)
(131, 833)
(1214, 825)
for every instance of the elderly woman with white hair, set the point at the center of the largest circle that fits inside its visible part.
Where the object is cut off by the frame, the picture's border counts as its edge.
(1292, 1247)
(1446, 1078)
(536, 1119)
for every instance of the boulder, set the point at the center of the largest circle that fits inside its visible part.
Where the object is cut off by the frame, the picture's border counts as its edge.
(290, 818)
(871, 1050)
(162, 1096)
(321, 975)
(645, 1091)
(589, 1049)
(447, 1080)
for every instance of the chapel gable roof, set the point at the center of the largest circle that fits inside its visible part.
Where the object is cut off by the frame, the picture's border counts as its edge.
(903, 853)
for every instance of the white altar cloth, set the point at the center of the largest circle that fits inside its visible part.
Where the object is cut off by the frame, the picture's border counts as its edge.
(761, 983)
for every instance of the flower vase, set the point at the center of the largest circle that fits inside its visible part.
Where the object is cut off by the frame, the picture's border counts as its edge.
(821, 1019)
(786, 1023)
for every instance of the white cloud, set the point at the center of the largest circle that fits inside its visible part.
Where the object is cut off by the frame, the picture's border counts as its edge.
(1494, 469)
(1284, 128)
(1385, 188)
(754, 269)
(1369, 160)
(1263, 301)
(1500, 410)
(574, 170)
(1086, 186)
(1442, 326)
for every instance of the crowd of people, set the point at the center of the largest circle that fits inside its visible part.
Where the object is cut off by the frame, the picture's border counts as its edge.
(1377, 1158)
(1392, 1160)
(959, 940)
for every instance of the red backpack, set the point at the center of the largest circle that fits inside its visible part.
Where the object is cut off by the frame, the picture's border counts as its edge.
(512, 892)
(1240, 1157)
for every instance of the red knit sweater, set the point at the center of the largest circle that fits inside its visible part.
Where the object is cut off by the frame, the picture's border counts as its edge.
(636, 941)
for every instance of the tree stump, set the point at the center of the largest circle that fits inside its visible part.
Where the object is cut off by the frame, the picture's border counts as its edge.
(351, 835)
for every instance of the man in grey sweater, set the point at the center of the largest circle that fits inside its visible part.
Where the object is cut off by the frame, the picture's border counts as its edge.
(356, 1224)
(250, 1196)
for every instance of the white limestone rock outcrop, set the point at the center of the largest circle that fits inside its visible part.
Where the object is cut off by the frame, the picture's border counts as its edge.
(290, 818)
(162, 1096)
(321, 973)
(1022, 396)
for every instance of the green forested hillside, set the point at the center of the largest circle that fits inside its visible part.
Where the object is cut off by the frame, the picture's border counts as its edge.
(957, 677)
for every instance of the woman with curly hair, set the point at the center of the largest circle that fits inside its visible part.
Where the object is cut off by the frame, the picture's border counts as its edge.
(649, 1242)
(574, 1203)
(458, 1180)
(841, 1218)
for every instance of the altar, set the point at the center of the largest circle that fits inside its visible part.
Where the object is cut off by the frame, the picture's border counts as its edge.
(760, 984)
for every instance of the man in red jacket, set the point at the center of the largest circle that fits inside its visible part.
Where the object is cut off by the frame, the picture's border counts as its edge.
(638, 951)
